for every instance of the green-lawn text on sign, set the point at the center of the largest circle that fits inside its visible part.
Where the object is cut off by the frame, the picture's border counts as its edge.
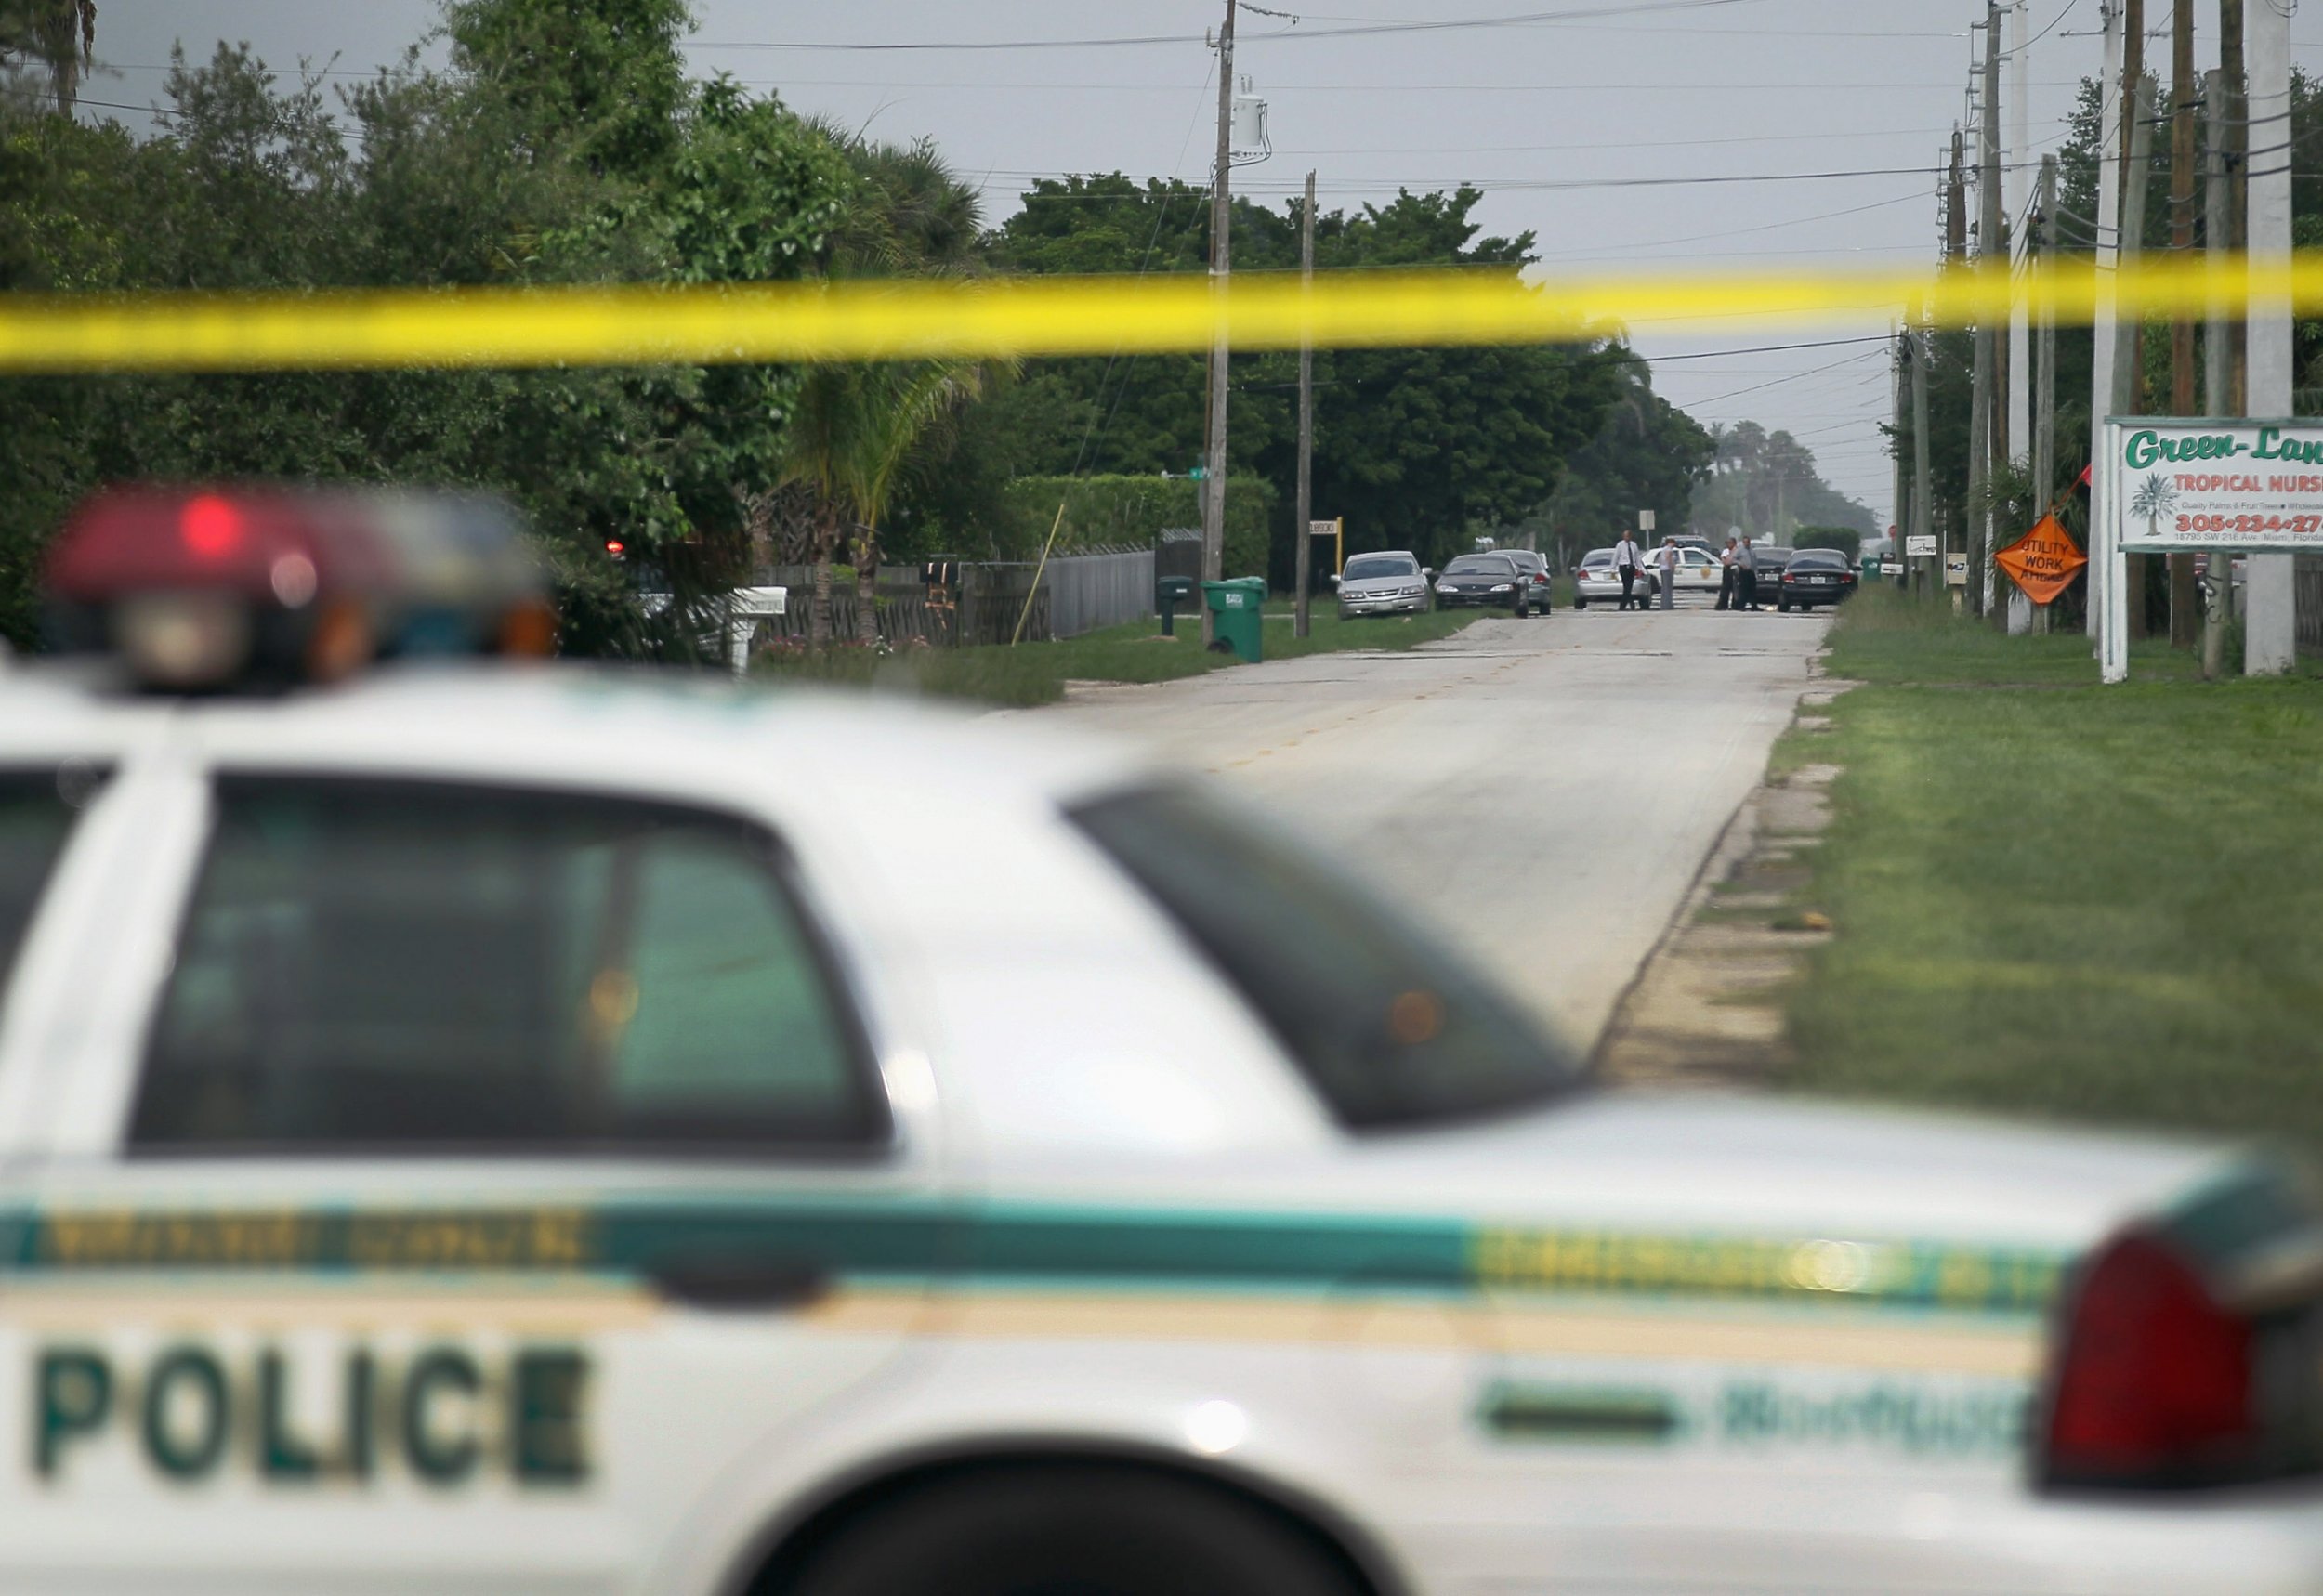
(2179, 484)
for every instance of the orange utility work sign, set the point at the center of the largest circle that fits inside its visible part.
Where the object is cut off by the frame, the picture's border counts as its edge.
(2044, 561)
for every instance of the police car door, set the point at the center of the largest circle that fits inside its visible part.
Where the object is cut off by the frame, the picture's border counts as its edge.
(478, 1182)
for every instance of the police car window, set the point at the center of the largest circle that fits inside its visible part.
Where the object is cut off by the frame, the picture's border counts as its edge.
(1391, 1029)
(37, 808)
(369, 965)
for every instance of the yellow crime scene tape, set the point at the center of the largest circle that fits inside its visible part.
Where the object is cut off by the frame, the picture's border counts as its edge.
(887, 319)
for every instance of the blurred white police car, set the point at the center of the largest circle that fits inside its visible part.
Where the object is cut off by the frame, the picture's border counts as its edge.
(489, 1129)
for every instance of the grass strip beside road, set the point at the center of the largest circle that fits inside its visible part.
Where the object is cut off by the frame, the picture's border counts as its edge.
(2060, 898)
(1036, 672)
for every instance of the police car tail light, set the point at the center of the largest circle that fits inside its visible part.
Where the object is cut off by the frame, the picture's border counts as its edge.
(196, 589)
(2154, 1379)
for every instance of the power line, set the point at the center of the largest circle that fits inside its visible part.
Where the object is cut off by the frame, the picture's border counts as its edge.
(1817, 371)
(1767, 349)
(1518, 20)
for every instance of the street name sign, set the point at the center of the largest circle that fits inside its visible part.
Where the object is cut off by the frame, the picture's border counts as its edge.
(2176, 485)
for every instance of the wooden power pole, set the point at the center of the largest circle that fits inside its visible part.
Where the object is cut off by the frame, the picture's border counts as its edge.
(1305, 558)
(1922, 522)
(2185, 94)
(2127, 374)
(2044, 396)
(1221, 265)
(2218, 398)
(1991, 256)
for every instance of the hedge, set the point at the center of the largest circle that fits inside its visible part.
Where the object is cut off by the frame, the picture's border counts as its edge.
(1125, 512)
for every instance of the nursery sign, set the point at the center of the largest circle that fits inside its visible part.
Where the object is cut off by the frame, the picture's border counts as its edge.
(2179, 485)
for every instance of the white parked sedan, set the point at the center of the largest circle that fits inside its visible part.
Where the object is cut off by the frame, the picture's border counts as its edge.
(1597, 581)
(484, 1129)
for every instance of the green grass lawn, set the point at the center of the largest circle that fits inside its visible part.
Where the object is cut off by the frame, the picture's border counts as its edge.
(2057, 898)
(1036, 672)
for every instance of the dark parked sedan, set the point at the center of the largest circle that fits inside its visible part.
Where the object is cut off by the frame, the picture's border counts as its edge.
(1814, 576)
(1485, 582)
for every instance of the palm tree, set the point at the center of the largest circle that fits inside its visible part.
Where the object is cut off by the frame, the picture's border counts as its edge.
(857, 428)
(2157, 496)
(899, 407)
(59, 34)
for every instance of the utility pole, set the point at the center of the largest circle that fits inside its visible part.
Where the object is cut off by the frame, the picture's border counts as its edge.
(2270, 628)
(2045, 391)
(1992, 257)
(1305, 556)
(2128, 391)
(2019, 391)
(2017, 399)
(2218, 352)
(1900, 521)
(2235, 140)
(1922, 500)
(2130, 365)
(1221, 264)
(1956, 204)
(2105, 343)
(2184, 94)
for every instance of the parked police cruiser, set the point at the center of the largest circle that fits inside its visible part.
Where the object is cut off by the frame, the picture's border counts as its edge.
(479, 1127)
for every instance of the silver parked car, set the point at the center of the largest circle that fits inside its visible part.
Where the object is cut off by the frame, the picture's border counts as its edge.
(1597, 583)
(1393, 583)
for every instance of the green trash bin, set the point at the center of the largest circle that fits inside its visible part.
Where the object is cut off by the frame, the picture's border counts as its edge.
(1237, 609)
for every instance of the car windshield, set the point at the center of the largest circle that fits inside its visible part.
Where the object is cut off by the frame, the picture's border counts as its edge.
(1391, 1030)
(1378, 566)
(1480, 565)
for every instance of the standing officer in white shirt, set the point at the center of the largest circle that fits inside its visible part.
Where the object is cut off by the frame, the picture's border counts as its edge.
(1626, 559)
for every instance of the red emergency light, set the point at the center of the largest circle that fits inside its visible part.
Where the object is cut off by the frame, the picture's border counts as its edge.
(201, 588)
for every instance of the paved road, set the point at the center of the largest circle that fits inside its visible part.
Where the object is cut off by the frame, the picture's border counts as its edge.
(1544, 789)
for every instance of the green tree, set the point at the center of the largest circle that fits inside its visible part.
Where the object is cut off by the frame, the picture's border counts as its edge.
(1418, 448)
(598, 81)
(1647, 455)
(494, 171)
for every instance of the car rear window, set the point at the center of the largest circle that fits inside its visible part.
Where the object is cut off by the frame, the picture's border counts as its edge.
(1391, 1029)
(1480, 565)
(37, 808)
(1820, 559)
(404, 965)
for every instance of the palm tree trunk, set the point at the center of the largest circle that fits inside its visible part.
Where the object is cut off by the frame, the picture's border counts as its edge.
(819, 607)
(867, 585)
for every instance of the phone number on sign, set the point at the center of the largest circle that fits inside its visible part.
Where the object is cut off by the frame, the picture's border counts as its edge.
(2299, 526)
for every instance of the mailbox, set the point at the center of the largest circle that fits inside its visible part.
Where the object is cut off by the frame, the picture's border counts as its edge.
(1168, 594)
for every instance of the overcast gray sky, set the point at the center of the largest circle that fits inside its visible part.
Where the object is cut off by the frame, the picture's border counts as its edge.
(1778, 92)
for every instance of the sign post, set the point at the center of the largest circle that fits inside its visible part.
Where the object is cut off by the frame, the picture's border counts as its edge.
(1332, 529)
(2176, 486)
(1919, 546)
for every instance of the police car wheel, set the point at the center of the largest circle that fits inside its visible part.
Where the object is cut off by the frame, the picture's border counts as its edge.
(1068, 1531)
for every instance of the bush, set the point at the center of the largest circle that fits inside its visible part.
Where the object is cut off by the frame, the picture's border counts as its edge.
(1847, 540)
(1125, 512)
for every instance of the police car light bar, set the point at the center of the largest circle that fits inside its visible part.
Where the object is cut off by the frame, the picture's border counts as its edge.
(207, 588)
